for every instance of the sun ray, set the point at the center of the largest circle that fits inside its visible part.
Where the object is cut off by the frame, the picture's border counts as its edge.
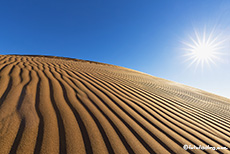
(204, 37)
(198, 38)
(195, 43)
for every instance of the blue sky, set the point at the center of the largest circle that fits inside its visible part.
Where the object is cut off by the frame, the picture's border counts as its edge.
(141, 35)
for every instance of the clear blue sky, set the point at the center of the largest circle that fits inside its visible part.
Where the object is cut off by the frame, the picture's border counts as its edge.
(143, 35)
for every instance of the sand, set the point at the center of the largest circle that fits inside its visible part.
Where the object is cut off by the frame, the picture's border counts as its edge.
(56, 105)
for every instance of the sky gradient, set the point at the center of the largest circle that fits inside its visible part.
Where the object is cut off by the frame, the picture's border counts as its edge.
(142, 35)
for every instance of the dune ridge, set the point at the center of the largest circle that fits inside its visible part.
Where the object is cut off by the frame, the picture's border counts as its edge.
(60, 105)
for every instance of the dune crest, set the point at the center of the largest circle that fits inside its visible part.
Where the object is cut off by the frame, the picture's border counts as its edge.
(60, 105)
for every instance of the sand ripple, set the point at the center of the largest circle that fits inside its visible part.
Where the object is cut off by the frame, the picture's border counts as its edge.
(60, 105)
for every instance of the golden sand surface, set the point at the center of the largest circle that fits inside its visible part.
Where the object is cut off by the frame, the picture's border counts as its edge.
(53, 105)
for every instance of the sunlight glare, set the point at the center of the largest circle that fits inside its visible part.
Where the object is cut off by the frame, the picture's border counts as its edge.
(203, 48)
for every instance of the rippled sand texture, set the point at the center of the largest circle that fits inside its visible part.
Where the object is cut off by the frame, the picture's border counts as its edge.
(60, 105)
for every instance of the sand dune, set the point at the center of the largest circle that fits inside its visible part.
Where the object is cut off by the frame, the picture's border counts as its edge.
(60, 105)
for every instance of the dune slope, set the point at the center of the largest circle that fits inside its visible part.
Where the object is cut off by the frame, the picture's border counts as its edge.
(60, 105)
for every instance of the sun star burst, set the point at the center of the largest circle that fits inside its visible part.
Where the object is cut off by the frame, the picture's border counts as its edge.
(203, 49)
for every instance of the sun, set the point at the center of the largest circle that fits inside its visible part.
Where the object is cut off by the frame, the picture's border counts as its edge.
(203, 48)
